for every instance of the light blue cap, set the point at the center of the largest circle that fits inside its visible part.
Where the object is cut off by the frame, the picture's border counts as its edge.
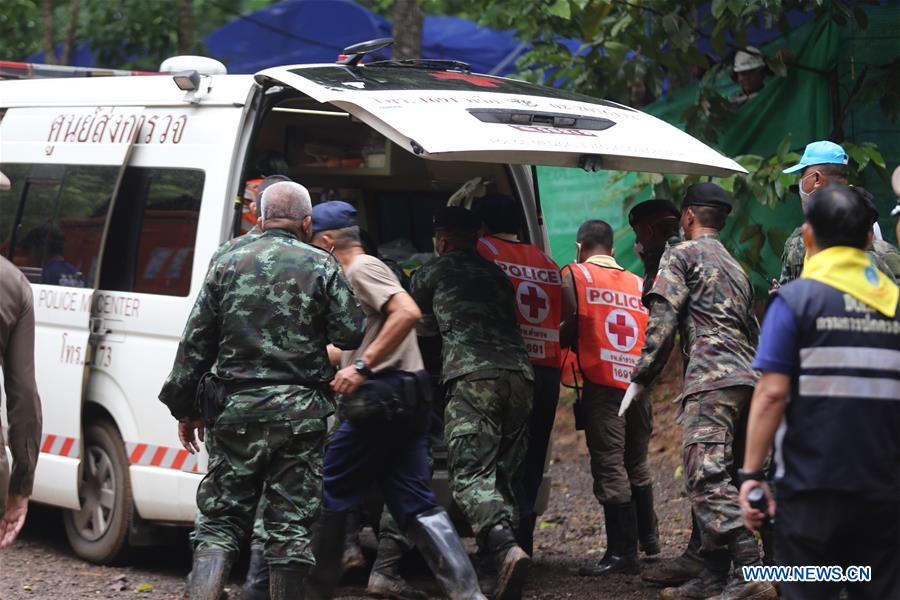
(820, 153)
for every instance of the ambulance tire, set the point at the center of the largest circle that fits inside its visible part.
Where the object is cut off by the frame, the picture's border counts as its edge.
(99, 531)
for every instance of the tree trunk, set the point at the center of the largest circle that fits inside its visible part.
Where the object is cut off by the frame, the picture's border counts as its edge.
(407, 29)
(71, 27)
(185, 27)
(49, 33)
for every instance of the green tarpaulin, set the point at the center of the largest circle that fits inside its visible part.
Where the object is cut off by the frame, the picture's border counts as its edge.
(799, 104)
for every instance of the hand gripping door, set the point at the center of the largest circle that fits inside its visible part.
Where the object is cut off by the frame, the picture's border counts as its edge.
(65, 165)
(454, 115)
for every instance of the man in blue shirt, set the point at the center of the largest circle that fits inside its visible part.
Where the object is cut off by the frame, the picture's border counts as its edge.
(829, 397)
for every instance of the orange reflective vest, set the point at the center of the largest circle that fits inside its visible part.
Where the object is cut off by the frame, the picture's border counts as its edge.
(538, 287)
(611, 323)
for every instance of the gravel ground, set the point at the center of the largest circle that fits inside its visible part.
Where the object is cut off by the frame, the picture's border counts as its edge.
(41, 565)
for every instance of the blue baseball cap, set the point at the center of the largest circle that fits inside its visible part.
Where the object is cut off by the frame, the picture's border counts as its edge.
(820, 153)
(334, 214)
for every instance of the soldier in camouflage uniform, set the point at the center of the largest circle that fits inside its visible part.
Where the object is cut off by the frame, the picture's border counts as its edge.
(256, 583)
(261, 322)
(489, 387)
(703, 294)
(823, 163)
(655, 224)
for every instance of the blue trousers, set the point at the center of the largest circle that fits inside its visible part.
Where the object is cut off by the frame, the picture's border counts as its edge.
(394, 456)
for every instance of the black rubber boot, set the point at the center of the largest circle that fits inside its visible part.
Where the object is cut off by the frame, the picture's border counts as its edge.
(211, 568)
(328, 546)
(512, 562)
(647, 523)
(744, 551)
(352, 557)
(256, 584)
(621, 543)
(287, 582)
(434, 535)
(385, 580)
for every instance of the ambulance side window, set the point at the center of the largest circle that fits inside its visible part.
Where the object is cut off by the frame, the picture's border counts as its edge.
(53, 219)
(153, 230)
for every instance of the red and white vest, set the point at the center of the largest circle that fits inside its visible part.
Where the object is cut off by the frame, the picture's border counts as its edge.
(538, 289)
(611, 323)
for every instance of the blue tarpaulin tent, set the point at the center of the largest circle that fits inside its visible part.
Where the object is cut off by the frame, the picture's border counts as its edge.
(294, 32)
(315, 31)
(309, 31)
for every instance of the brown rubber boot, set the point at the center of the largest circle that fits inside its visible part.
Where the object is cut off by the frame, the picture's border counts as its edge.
(352, 557)
(512, 562)
(385, 580)
(673, 572)
(708, 585)
(744, 552)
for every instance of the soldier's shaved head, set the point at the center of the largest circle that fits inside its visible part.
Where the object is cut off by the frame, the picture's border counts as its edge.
(263, 186)
(286, 200)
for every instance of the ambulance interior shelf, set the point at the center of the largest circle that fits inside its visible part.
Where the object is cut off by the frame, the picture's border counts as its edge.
(332, 142)
(339, 158)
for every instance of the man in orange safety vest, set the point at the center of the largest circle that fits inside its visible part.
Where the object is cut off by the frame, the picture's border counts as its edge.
(604, 322)
(538, 290)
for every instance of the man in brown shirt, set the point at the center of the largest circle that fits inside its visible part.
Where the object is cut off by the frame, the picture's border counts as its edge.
(23, 406)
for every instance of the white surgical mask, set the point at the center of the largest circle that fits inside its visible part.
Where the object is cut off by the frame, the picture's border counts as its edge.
(804, 196)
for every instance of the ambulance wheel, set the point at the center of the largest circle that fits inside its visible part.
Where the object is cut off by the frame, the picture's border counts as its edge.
(99, 531)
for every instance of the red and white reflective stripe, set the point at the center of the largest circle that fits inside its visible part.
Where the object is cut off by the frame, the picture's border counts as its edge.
(489, 246)
(586, 272)
(147, 455)
(60, 445)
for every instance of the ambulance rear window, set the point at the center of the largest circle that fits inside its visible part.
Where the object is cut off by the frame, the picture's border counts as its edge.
(381, 78)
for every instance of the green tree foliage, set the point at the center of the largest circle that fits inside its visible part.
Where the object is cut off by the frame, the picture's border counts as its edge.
(628, 42)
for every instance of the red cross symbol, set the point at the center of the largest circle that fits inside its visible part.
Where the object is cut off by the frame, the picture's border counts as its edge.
(622, 330)
(534, 301)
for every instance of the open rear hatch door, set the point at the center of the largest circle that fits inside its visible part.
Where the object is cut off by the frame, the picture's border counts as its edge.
(456, 115)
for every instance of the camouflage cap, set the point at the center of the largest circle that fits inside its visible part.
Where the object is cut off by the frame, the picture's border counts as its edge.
(707, 194)
(455, 218)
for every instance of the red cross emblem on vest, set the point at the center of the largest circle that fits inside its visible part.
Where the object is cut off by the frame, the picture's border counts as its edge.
(621, 330)
(533, 302)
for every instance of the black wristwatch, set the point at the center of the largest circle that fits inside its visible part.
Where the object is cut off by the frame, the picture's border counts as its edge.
(361, 367)
(758, 475)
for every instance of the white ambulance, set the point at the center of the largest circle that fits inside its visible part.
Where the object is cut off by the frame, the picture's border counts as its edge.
(122, 187)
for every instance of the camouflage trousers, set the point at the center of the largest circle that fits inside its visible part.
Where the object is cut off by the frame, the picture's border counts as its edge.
(486, 430)
(283, 461)
(709, 420)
